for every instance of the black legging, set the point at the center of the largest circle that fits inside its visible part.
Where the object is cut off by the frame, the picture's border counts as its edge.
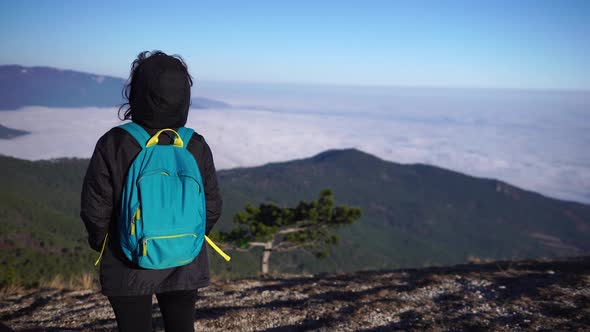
(134, 313)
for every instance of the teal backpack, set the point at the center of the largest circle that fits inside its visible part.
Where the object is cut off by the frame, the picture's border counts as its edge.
(163, 214)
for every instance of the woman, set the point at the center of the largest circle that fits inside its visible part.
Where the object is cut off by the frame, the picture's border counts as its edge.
(158, 94)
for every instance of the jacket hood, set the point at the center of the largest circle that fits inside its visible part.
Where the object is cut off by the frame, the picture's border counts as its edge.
(160, 93)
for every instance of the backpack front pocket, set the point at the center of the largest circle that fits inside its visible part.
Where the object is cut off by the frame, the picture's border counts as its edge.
(164, 251)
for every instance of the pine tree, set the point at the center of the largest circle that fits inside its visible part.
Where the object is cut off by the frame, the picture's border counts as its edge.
(308, 226)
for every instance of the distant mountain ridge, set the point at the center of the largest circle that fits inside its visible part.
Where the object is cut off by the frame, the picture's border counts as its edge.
(8, 133)
(51, 87)
(413, 215)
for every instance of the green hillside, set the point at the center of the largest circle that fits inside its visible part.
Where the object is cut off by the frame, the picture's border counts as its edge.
(40, 232)
(413, 215)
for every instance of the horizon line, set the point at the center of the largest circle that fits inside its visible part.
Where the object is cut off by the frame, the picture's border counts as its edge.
(342, 85)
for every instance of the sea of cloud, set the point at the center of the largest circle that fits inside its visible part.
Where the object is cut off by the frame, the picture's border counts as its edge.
(535, 140)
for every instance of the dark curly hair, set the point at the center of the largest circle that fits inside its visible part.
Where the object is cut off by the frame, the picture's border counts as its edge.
(128, 91)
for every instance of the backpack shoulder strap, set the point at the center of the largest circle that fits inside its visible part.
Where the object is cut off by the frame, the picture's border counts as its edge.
(185, 134)
(140, 135)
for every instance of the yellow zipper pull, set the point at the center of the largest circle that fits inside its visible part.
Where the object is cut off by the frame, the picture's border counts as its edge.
(145, 247)
(136, 217)
(104, 242)
(219, 251)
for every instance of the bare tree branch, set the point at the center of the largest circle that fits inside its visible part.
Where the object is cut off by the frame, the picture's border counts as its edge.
(257, 244)
(284, 246)
(290, 230)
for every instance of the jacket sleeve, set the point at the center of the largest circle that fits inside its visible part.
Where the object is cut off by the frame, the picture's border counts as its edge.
(97, 199)
(213, 198)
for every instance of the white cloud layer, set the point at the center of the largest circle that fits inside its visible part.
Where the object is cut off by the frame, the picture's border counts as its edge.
(540, 146)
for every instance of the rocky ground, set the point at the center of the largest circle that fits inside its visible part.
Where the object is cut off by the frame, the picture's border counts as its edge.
(504, 296)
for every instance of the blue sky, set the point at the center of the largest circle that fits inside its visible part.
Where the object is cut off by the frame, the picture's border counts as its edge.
(512, 44)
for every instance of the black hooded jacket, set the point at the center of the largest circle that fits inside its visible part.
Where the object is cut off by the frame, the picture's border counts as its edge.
(101, 196)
